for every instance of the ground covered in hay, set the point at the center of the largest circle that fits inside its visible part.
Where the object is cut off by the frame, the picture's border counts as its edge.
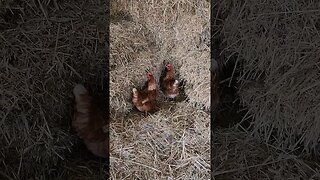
(277, 50)
(174, 141)
(273, 47)
(238, 155)
(46, 48)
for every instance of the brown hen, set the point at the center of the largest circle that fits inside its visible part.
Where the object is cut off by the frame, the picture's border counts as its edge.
(145, 100)
(168, 83)
(88, 121)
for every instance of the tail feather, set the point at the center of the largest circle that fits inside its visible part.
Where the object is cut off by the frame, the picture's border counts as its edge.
(176, 83)
(135, 92)
(135, 95)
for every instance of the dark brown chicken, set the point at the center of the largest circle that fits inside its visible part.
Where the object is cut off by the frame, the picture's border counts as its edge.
(145, 100)
(168, 83)
(88, 121)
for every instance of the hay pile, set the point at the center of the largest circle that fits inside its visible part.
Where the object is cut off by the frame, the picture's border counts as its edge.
(176, 32)
(237, 155)
(130, 56)
(45, 49)
(274, 48)
(174, 141)
(277, 45)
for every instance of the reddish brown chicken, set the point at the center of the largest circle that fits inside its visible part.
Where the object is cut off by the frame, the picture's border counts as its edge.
(168, 83)
(88, 121)
(145, 100)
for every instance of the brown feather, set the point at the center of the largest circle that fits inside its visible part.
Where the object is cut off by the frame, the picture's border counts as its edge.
(88, 121)
(145, 100)
(168, 85)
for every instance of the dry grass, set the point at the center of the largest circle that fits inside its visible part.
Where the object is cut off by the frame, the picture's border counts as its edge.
(274, 46)
(238, 155)
(173, 142)
(176, 32)
(130, 56)
(45, 50)
(278, 46)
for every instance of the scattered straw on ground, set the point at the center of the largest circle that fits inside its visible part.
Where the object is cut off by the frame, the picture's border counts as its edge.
(173, 142)
(274, 45)
(279, 45)
(238, 155)
(45, 49)
(176, 32)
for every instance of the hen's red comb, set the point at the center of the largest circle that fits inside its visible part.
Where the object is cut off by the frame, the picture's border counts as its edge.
(169, 66)
(149, 74)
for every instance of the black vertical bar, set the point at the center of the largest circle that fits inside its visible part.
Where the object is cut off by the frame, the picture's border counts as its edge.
(107, 80)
